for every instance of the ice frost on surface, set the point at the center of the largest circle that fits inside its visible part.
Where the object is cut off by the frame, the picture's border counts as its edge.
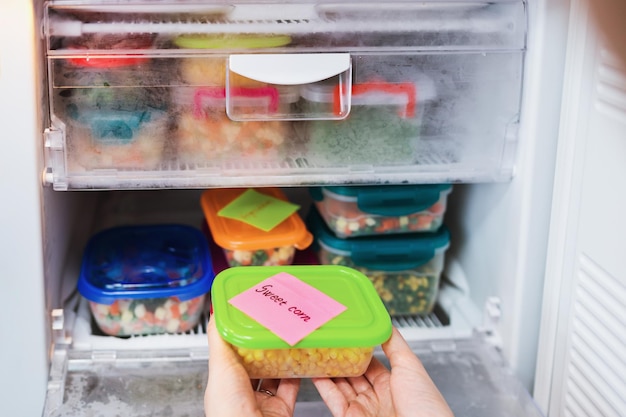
(148, 389)
(472, 376)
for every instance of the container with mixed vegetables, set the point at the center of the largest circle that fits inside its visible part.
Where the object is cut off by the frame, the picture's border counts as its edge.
(404, 268)
(146, 279)
(247, 245)
(375, 210)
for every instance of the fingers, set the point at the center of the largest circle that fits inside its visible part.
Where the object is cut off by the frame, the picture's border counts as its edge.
(357, 385)
(288, 391)
(221, 356)
(230, 392)
(400, 354)
(228, 381)
(375, 371)
(270, 385)
(285, 389)
(410, 384)
(332, 395)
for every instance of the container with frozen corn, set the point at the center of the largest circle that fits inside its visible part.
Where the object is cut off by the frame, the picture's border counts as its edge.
(210, 127)
(255, 226)
(300, 321)
(146, 279)
(373, 210)
(404, 268)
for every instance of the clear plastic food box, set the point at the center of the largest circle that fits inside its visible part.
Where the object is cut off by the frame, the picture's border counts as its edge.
(209, 129)
(343, 346)
(374, 210)
(147, 279)
(111, 126)
(404, 268)
(247, 245)
(382, 126)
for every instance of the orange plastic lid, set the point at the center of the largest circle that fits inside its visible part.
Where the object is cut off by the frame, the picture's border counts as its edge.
(233, 234)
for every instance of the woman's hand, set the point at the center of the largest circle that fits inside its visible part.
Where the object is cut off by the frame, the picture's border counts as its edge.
(405, 391)
(231, 393)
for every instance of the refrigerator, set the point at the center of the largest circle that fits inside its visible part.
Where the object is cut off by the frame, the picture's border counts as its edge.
(523, 107)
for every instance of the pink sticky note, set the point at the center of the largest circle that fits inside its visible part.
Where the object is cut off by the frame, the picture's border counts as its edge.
(287, 306)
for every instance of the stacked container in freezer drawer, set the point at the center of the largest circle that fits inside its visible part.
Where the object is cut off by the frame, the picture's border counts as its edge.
(393, 234)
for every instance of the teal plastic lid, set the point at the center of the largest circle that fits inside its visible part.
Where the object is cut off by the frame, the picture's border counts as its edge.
(364, 323)
(395, 252)
(387, 200)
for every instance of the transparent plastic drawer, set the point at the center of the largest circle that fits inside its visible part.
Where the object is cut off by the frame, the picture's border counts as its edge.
(151, 95)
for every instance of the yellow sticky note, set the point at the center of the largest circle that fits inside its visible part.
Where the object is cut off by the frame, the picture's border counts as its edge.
(259, 210)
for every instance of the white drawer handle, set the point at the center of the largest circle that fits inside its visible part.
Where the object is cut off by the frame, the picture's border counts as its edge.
(289, 69)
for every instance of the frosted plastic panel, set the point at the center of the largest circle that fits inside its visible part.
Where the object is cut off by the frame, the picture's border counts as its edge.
(471, 376)
(287, 25)
(144, 98)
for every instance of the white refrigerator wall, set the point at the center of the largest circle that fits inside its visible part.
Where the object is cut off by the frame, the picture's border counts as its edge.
(499, 230)
(582, 360)
(23, 360)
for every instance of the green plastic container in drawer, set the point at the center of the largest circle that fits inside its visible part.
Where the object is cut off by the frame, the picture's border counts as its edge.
(343, 346)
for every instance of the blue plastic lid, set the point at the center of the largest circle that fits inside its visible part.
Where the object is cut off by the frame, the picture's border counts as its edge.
(151, 261)
(388, 200)
(114, 126)
(395, 252)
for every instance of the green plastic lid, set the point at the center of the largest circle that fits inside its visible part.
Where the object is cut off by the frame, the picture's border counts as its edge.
(364, 323)
(231, 41)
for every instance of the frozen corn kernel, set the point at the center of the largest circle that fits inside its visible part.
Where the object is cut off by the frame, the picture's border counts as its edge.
(305, 362)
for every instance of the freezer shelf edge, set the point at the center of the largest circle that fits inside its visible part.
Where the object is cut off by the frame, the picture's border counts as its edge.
(471, 374)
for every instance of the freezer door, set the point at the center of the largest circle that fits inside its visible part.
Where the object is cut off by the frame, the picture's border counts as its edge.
(582, 352)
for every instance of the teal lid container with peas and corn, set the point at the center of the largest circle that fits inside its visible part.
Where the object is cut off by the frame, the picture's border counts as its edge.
(371, 210)
(300, 321)
(404, 268)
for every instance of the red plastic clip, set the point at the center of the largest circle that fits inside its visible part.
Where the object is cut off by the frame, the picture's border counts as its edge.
(220, 93)
(407, 89)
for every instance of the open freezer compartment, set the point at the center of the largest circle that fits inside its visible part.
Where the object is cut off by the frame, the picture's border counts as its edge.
(165, 374)
(146, 95)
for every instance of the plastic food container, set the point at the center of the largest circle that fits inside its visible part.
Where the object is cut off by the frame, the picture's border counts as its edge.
(246, 245)
(116, 112)
(382, 127)
(117, 138)
(211, 70)
(404, 268)
(375, 210)
(206, 131)
(146, 279)
(340, 347)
